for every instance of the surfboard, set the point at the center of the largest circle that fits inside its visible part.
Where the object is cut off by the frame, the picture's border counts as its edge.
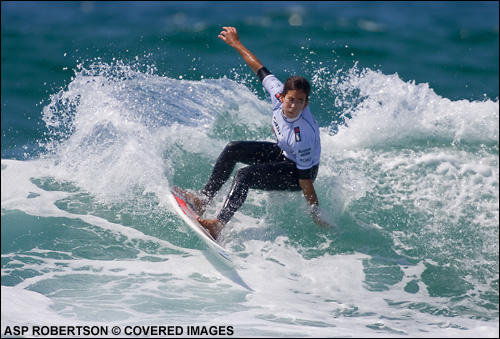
(189, 216)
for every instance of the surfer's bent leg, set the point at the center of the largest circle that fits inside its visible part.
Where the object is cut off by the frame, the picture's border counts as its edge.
(246, 152)
(273, 176)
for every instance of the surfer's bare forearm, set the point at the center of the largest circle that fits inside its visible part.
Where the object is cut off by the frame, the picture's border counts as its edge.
(312, 199)
(230, 36)
(309, 191)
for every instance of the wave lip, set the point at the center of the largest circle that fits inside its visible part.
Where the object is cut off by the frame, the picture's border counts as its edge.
(389, 110)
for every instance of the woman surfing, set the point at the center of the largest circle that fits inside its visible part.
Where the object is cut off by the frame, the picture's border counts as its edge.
(289, 164)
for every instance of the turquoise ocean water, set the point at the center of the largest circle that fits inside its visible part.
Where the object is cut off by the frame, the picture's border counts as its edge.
(107, 104)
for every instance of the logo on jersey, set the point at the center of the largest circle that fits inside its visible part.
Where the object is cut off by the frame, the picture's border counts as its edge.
(276, 129)
(297, 134)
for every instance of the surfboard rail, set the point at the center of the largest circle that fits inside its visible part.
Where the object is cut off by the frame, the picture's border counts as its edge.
(189, 216)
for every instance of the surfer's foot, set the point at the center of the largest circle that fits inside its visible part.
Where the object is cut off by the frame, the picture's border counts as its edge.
(213, 226)
(196, 203)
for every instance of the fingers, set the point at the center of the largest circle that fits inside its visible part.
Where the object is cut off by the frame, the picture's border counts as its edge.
(229, 29)
(226, 32)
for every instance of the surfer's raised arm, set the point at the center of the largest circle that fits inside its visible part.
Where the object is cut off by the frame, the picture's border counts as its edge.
(230, 36)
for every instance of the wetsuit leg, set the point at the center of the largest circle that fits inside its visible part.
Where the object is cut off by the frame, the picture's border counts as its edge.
(246, 152)
(268, 170)
(273, 176)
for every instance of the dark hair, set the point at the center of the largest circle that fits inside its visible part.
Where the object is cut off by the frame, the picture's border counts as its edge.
(295, 83)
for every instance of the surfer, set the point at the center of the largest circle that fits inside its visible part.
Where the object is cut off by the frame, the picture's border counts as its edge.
(290, 163)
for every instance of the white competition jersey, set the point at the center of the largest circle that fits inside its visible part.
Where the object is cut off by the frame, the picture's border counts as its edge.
(298, 137)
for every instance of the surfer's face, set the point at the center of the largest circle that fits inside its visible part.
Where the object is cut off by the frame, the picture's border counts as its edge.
(293, 103)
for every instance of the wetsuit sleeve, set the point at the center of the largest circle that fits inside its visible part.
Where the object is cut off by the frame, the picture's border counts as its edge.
(262, 73)
(307, 174)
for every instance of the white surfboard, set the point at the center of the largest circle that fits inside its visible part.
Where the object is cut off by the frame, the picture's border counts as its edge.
(189, 216)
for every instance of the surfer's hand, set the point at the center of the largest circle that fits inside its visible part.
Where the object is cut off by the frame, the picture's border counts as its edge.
(230, 36)
(319, 216)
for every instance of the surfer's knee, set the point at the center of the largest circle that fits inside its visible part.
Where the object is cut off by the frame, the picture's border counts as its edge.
(230, 152)
(232, 146)
(242, 174)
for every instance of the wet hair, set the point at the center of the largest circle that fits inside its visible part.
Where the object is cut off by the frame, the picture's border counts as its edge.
(295, 83)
